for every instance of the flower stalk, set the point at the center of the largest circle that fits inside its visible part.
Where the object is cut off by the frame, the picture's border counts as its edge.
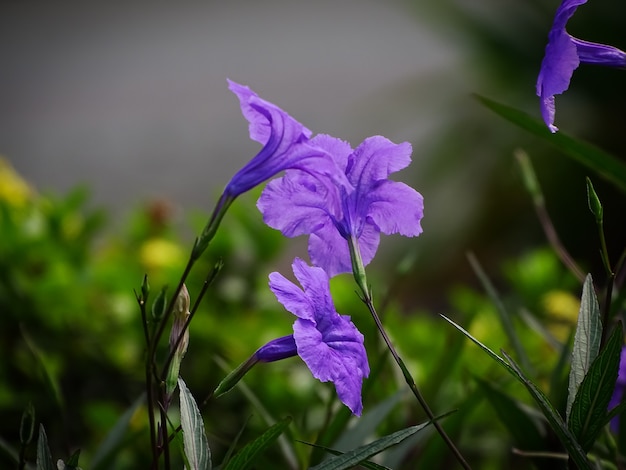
(361, 280)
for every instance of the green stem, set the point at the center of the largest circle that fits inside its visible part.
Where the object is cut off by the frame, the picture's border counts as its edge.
(141, 299)
(200, 245)
(358, 271)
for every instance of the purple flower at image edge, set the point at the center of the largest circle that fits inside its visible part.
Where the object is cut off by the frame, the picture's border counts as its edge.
(328, 343)
(285, 144)
(619, 391)
(563, 55)
(368, 204)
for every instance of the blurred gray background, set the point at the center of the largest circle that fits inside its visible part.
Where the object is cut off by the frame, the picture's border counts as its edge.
(132, 99)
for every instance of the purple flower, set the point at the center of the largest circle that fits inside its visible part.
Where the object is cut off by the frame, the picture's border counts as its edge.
(329, 343)
(618, 392)
(331, 212)
(285, 144)
(563, 55)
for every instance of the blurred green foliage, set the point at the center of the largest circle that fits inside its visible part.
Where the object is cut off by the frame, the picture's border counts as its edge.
(72, 342)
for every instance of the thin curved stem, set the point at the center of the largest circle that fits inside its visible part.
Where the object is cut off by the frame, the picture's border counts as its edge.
(358, 271)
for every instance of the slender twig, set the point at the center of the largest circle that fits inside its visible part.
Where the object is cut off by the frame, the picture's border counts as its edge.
(412, 385)
(149, 389)
(165, 442)
(533, 187)
(610, 273)
(358, 270)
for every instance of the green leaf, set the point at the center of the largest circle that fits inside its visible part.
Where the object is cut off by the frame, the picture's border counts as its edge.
(592, 157)
(365, 464)
(113, 439)
(362, 453)
(586, 341)
(72, 462)
(575, 451)
(246, 456)
(44, 457)
(589, 410)
(194, 437)
(524, 428)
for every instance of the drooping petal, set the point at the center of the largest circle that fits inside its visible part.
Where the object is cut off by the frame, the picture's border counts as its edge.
(557, 67)
(339, 362)
(564, 54)
(329, 250)
(396, 208)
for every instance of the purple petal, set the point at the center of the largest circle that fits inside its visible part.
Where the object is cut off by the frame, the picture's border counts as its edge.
(557, 67)
(599, 54)
(296, 204)
(339, 149)
(285, 143)
(396, 208)
(314, 282)
(375, 159)
(329, 250)
(344, 361)
(564, 54)
(291, 296)
(258, 112)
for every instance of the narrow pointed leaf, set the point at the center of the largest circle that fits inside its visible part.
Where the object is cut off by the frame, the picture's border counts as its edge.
(362, 453)
(194, 437)
(575, 451)
(586, 340)
(503, 314)
(245, 458)
(44, 457)
(589, 409)
(365, 464)
(592, 157)
(524, 429)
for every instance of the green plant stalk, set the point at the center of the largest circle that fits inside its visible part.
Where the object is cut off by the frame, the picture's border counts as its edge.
(165, 443)
(141, 300)
(200, 245)
(604, 255)
(360, 277)
(534, 189)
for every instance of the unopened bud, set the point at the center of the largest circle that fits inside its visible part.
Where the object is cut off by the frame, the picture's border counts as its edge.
(179, 338)
(180, 315)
